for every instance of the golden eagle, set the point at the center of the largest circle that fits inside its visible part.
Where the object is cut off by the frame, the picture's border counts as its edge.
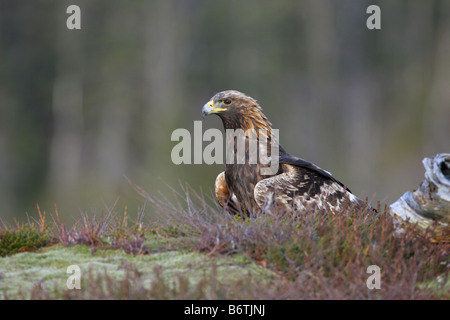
(296, 184)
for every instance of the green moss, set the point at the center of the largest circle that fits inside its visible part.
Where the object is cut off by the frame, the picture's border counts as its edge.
(47, 268)
(440, 285)
(23, 239)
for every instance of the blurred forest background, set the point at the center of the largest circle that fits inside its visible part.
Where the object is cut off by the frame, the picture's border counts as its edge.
(81, 108)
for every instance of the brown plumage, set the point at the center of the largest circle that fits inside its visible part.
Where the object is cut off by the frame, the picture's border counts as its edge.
(294, 185)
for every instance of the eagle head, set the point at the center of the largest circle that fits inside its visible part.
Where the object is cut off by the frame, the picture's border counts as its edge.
(236, 109)
(227, 102)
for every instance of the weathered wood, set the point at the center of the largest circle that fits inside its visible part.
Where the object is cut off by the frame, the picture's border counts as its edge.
(429, 205)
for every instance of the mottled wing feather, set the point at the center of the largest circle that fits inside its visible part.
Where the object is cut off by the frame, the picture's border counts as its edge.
(299, 187)
(277, 190)
(287, 158)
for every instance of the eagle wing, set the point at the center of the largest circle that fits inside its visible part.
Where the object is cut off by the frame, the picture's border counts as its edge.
(301, 184)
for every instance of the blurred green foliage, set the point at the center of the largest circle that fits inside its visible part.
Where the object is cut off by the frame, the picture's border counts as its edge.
(81, 108)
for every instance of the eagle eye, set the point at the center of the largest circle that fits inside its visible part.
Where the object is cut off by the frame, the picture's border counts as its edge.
(227, 101)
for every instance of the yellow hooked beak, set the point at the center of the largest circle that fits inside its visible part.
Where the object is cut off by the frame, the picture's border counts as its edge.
(209, 108)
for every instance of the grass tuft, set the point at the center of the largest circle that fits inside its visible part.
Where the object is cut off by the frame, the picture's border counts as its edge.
(22, 237)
